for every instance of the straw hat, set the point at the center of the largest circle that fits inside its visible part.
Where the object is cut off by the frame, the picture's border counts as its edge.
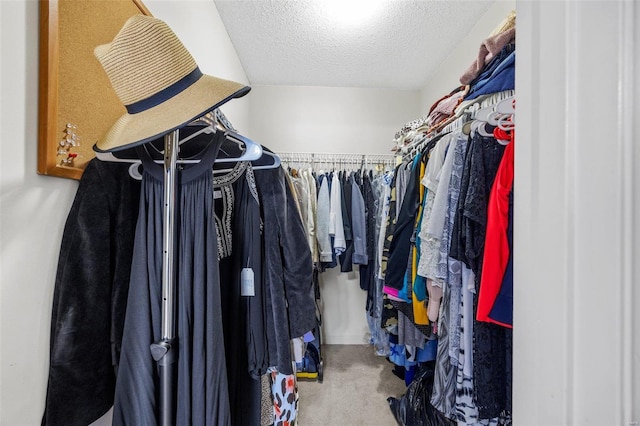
(158, 82)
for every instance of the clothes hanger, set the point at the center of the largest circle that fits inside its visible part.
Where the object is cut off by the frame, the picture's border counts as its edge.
(507, 105)
(270, 160)
(134, 168)
(500, 114)
(483, 113)
(507, 122)
(251, 151)
(480, 127)
(504, 116)
(267, 160)
(497, 104)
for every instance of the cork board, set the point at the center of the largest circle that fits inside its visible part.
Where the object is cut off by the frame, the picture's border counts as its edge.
(76, 102)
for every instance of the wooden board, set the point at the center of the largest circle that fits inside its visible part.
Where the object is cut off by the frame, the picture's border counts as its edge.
(76, 102)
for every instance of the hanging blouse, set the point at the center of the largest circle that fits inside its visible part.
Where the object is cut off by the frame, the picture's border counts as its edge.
(336, 224)
(243, 299)
(497, 251)
(431, 228)
(323, 222)
(359, 222)
(312, 217)
(301, 188)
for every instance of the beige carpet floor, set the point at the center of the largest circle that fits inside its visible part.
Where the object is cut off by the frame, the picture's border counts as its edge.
(354, 391)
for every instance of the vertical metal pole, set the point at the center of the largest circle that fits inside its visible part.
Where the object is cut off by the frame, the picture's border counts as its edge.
(168, 255)
(165, 351)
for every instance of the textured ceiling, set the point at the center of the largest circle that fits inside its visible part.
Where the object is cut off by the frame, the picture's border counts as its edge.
(302, 42)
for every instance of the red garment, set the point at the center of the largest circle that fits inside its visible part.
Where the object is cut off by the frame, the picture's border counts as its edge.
(496, 246)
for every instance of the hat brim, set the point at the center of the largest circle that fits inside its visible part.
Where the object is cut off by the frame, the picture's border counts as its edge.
(205, 95)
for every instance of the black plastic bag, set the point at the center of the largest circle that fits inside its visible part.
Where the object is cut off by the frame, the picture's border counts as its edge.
(414, 407)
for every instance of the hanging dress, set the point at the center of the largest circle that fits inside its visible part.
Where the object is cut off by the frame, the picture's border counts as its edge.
(201, 371)
(243, 303)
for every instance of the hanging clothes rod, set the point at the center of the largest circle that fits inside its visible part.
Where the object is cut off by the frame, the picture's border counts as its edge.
(338, 158)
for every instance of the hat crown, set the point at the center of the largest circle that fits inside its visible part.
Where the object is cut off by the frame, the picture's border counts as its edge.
(144, 58)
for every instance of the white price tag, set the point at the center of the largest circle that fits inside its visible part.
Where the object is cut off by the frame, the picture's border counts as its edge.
(247, 285)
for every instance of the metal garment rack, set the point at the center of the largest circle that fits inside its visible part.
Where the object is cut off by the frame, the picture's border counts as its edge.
(165, 351)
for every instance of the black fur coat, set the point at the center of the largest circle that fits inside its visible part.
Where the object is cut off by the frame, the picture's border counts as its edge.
(90, 295)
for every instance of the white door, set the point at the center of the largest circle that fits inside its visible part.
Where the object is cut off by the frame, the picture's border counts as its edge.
(577, 214)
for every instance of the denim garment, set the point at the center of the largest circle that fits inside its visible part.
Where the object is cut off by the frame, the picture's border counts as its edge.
(502, 310)
(358, 225)
(503, 78)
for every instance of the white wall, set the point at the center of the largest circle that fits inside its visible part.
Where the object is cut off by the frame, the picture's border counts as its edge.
(32, 212)
(447, 76)
(329, 119)
(333, 120)
(33, 208)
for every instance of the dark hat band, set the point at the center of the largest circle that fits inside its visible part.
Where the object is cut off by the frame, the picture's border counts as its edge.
(165, 94)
